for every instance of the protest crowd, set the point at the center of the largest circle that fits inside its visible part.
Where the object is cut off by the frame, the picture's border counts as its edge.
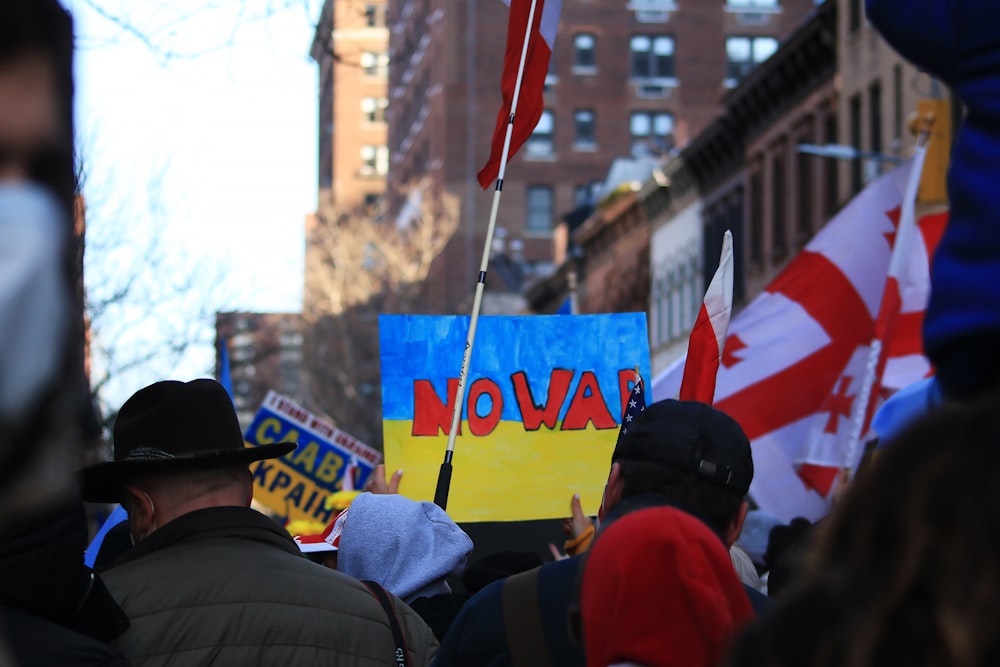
(676, 567)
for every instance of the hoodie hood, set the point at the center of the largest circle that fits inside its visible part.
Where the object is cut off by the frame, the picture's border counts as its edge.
(408, 547)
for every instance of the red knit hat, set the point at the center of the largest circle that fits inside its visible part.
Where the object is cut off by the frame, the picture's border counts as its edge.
(659, 589)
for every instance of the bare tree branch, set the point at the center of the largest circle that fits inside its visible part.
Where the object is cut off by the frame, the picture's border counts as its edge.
(357, 268)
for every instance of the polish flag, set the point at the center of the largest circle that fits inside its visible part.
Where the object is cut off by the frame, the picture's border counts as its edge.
(347, 482)
(708, 337)
(544, 16)
(796, 345)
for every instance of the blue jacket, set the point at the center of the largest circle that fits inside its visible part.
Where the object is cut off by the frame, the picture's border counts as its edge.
(958, 42)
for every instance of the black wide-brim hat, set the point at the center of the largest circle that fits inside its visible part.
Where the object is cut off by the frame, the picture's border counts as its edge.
(172, 426)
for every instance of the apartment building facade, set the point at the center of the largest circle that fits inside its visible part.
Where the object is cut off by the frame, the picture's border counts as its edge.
(350, 48)
(635, 78)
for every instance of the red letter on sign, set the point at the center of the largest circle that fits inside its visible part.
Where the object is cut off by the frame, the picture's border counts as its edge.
(534, 415)
(484, 425)
(588, 405)
(430, 415)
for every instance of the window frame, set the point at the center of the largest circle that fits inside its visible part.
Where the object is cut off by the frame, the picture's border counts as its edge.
(657, 66)
(532, 212)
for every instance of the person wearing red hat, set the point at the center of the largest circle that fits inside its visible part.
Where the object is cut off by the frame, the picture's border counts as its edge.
(659, 590)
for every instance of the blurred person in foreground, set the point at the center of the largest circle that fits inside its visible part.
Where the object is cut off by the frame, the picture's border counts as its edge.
(675, 453)
(53, 610)
(906, 570)
(211, 581)
(957, 42)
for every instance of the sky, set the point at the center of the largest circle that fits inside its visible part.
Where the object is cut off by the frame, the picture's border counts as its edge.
(197, 126)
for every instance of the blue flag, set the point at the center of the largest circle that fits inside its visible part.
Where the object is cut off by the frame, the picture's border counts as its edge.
(225, 374)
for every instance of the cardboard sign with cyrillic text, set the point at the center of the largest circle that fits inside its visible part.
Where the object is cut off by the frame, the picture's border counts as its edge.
(297, 484)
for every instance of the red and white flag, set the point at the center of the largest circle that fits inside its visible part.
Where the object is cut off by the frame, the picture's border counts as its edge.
(865, 380)
(350, 470)
(783, 373)
(541, 38)
(708, 337)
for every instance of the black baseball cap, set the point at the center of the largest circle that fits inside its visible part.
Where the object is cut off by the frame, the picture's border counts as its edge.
(690, 436)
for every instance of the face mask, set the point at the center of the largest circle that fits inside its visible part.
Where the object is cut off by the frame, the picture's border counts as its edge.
(34, 298)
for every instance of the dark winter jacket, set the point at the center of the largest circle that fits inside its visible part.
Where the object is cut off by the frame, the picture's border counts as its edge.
(53, 609)
(228, 586)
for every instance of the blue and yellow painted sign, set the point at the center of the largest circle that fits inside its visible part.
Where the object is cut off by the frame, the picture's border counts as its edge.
(296, 485)
(544, 401)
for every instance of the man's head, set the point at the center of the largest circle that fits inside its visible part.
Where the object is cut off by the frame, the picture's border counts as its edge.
(690, 452)
(178, 447)
(36, 95)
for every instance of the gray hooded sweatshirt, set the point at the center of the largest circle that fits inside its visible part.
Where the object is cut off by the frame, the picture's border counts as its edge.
(408, 547)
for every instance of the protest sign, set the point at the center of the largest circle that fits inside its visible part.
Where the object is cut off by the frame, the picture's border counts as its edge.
(296, 485)
(542, 411)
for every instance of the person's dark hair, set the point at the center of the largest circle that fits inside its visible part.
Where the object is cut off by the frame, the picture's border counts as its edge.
(905, 569)
(715, 503)
(787, 549)
(44, 28)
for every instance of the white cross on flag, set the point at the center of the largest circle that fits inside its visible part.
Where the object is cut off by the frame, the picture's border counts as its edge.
(794, 357)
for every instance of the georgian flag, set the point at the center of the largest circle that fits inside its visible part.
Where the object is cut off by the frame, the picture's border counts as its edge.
(787, 352)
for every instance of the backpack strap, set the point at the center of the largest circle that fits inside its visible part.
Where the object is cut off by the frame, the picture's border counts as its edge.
(401, 656)
(522, 620)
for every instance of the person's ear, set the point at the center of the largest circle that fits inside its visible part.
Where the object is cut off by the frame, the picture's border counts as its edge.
(616, 485)
(735, 526)
(141, 512)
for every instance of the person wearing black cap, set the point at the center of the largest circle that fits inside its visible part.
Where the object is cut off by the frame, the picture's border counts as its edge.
(210, 580)
(683, 454)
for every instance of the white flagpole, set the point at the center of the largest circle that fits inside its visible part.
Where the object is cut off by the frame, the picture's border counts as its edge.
(444, 476)
(900, 254)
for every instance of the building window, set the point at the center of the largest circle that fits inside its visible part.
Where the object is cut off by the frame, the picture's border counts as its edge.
(584, 135)
(539, 208)
(745, 53)
(855, 12)
(652, 57)
(756, 219)
(540, 143)
(831, 167)
(374, 160)
(585, 194)
(779, 232)
(375, 16)
(652, 132)
(854, 116)
(875, 118)
(373, 109)
(804, 176)
(584, 57)
(375, 64)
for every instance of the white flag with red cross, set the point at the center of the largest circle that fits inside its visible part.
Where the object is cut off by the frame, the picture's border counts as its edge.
(788, 365)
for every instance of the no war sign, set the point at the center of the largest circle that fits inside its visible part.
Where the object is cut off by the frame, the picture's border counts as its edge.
(543, 406)
(297, 484)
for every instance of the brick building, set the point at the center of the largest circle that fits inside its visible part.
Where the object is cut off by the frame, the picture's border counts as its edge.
(351, 49)
(265, 353)
(626, 79)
